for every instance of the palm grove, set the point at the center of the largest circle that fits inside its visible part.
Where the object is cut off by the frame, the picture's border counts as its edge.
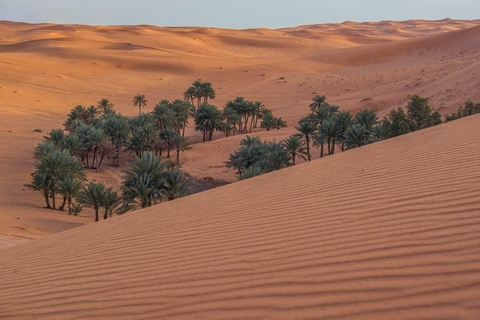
(94, 135)
(328, 128)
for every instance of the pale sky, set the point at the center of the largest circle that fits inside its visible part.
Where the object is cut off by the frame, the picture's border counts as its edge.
(232, 13)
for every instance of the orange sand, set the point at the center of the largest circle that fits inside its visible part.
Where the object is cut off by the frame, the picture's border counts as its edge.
(386, 231)
(46, 69)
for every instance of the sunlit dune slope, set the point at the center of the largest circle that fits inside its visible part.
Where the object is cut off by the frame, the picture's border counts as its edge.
(386, 231)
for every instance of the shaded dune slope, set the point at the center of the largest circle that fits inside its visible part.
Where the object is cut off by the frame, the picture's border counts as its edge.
(390, 230)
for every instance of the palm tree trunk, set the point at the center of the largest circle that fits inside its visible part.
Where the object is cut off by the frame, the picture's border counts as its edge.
(105, 215)
(101, 159)
(328, 146)
(183, 132)
(333, 147)
(94, 157)
(47, 201)
(63, 204)
(308, 148)
(293, 158)
(246, 124)
(178, 155)
(321, 150)
(139, 109)
(69, 206)
(96, 214)
(53, 200)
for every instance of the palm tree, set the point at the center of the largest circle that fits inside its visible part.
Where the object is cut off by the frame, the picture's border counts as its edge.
(251, 172)
(306, 129)
(276, 156)
(318, 117)
(168, 135)
(269, 122)
(330, 130)
(44, 148)
(343, 120)
(207, 92)
(250, 141)
(69, 188)
(105, 105)
(281, 124)
(143, 181)
(92, 196)
(77, 208)
(189, 95)
(140, 101)
(208, 119)
(318, 102)
(245, 157)
(136, 143)
(175, 185)
(181, 145)
(367, 118)
(182, 110)
(164, 115)
(96, 140)
(110, 201)
(54, 167)
(41, 181)
(356, 136)
(296, 147)
(55, 136)
(118, 130)
(72, 144)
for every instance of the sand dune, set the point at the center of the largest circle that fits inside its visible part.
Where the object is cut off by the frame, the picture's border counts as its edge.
(46, 69)
(386, 231)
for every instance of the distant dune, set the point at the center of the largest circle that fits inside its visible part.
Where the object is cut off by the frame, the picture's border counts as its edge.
(386, 231)
(46, 69)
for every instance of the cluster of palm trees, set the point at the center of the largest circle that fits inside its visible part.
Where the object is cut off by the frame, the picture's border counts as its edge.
(469, 110)
(419, 116)
(59, 173)
(238, 115)
(328, 128)
(255, 157)
(243, 116)
(199, 92)
(95, 133)
(162, 130)
(149, 180)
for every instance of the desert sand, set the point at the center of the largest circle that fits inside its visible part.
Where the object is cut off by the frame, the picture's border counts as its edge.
(386, 231)
(46, 69)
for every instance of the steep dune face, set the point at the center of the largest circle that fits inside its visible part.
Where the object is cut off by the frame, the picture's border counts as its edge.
(386, 231)
(47, 69)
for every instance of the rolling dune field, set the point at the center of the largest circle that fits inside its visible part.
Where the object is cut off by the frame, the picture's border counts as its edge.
(46, 69)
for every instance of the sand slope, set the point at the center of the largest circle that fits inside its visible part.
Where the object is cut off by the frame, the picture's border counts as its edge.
(387, 231)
